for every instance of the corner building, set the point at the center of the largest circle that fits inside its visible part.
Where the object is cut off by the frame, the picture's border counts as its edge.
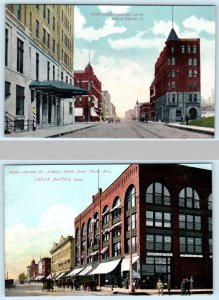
(169, 209)
(177, 80)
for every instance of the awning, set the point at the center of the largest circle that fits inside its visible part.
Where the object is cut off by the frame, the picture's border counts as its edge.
(49, 276)
(85, 271)
(117, 224)
(61, 275)
(126, 263)
(104, 250)
(94, 253)
(39, 277)
(115, 207)
(58, 88)
(93, 113)
(105, 268)
(75, 272)
(78, 112)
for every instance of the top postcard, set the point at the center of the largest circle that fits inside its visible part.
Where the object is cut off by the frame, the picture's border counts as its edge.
(109, 71)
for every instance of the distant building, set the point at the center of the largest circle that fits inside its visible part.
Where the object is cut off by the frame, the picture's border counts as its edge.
(106, 102)
(130, 115)
(88, 108)
(144, 112)
(63, 256)
(32, 271)
(161, 214)
(44, 266)
(176, 90)
(137, 110)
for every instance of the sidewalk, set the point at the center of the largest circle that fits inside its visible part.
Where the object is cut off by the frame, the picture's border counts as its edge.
(153, 291)
(205, 130)
(51, 132)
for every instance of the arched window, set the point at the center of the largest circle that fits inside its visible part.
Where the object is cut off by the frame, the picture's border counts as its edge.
(116, 210)
(130, 199)
(157, 193)
(96, 228)
(210, 202)
(77, 234)
(83, 230)
(89, 226)
(189, 198)
(105, 215)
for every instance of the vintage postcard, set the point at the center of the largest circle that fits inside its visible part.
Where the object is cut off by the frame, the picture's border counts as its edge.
(109, 71)
(105, 229)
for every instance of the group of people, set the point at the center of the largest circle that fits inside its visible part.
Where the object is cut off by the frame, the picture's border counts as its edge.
(186, 286)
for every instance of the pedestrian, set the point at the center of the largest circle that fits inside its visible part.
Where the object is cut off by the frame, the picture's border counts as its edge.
(160, 287)
(183, 287)
(169, 286)
(187, 119)
(187, 287)
(191, 283)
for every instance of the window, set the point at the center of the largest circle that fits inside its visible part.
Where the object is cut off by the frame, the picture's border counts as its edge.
(19, 100)
(158, 242)
(20, 56)
(54, 23)
(105, 215)
(173, 61)
(48, 40)
(44, 11)
(116, 210)
(190, 73)
(169, 73)
(37, 29)
(37, 65)
(190, 61)
(89, 226)
(210, 243)
(134, 245)
(116, 232)
(195, 74)
(168, 61)
(190, 245)
(172, 49)
(82, 245)
(194, 49)
(61, 76)
(189, 198)
(6, 47)
(48, 16)
(48, 69)
(173, 86)
(130, 200)
(189, 222)
(157, 193)
(188, 48)
(158, 219)
(133, 221)
(195, 98)
(30, 25)
(7, 88)
(168, 86)
(173, 73)
(53, 73)
(117, 249)
(190, 98)
(18, 12)
(106, 235)
(183, 49)
(195, 86)
(53, 46)
(44, 36)
(66, 79)
(158, 265)
(195, 62)
(190, 86)
(83, 231)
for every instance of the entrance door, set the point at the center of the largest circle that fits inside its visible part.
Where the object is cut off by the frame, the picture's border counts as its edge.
(193, 113)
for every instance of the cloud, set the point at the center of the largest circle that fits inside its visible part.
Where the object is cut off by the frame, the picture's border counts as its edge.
(22, 244)
(114, 9)
(136, 42)
(164, 28)
(91, 33)
(199, 25)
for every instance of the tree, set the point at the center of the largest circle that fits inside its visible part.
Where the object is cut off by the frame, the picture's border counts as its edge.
(22, 277)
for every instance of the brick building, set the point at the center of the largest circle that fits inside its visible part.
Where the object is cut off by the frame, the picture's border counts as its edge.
(170, 208)
(32, 271)
(88, 108)
(177, 80)
(44, 266)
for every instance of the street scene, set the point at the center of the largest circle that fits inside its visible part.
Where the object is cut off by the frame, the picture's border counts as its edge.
(108, 64)
(108, 229)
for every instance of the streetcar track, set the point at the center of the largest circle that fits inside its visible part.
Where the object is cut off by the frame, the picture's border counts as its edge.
(140, 135)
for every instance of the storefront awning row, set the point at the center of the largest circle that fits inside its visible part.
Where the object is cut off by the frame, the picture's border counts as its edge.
(126, 263)
(86, 271)
(105, 268)
(75, 272)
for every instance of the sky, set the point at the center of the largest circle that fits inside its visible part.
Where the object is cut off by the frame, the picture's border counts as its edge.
(41, 203)
(124, 42)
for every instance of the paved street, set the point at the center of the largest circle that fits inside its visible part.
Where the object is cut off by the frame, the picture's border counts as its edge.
(35, 289)
(136, 130)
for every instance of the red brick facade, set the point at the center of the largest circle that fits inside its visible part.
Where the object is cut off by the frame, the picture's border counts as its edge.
(91, 105)
(171, 224)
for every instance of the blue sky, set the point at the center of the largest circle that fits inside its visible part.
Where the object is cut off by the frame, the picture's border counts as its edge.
(124, 42)
(38, 211)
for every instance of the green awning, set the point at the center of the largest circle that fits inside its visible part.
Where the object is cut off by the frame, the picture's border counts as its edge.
(58, 88)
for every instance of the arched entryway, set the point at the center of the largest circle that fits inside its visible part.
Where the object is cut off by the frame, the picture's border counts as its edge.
(193, 113)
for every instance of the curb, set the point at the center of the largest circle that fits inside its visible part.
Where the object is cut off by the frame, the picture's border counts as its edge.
(192, 129)
(68, 132)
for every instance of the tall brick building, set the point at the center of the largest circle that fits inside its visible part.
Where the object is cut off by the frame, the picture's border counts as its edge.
(88, 108)
(168, 207)
(176, 91)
